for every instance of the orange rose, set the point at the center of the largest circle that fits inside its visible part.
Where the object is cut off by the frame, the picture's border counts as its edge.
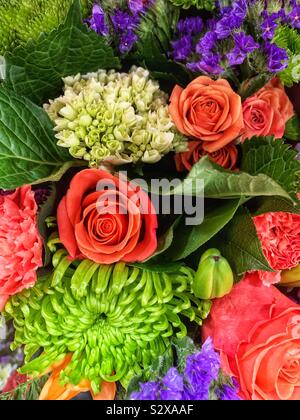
(267, 112)
(257, 330)
(225, 157)
(208, 110)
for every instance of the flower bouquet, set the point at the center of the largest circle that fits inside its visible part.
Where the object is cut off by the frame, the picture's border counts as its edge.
(149, 200)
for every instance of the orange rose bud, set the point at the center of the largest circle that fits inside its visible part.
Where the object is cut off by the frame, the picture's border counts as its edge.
(208, 110)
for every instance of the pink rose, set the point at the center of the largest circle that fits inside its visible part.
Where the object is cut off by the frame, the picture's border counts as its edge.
(20, 243)
(267, 112)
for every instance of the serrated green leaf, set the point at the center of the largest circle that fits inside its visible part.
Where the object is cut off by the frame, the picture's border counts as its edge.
(28, 150)
(36, 70)
(219, 183)
(239, 243)
(274, 158)
(292, 129)
(187, 239)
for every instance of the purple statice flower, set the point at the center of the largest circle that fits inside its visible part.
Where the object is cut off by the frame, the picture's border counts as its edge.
(269, 26)
(127, 41)
(294, 17)
(148, 391)
(277, 58)
(229, 393)
(182, 48)
(206, 43)
(236, 56)
(244, 44)
(190, 26)
(172, 386)
(201, 369)
(210, 64)
(123, 21)
(239, 10)
(5, 192)
(137, 6)
(231, 19)
(41, 194)
(98, 21)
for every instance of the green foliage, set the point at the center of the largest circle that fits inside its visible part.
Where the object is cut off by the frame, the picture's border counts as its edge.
(289, 39)
(239, 244)
(28, 391)
(21, 20)
(36, 70)
(292, 129)
(198, 4)
(274, 158)
(187, 239)
(223, 184)
(28, 151)
(113, 318)
(155, 32)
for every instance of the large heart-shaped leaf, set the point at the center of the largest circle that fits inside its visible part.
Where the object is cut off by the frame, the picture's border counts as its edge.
(28, 150)
(36, 70)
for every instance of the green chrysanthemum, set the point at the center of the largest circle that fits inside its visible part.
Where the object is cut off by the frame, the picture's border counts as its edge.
(115, 319)
(21, 20)
(199, 4)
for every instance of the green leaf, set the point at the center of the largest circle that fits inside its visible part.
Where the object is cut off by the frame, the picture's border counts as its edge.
(36, 70)
(239, 243)
(253, 85)
(219, 183)
(261, 205)
(187, 239)
(28, 150)
(292, 129)
(274, 158)
(157, 267)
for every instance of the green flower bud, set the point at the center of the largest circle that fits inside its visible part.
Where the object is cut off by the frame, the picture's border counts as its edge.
(85, 120)
(214, 277)
(67, 138)
(162, 142)
(68, 112)
(92, 138)
(99, 152)
(151, 156)
(78, 151)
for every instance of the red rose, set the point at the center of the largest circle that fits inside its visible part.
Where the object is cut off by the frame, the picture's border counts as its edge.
(226, 157)
(106, 222)
(257, 330)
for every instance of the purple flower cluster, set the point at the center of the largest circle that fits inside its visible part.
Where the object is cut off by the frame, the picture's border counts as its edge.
(201, 370)
(125, 22)
(231, 18)
(244, 44)
(277, 58)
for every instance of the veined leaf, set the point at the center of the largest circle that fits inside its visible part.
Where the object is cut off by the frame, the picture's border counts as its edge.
(219, 183)
(292, 129)
(187, 239)
(239, 243)
(36, 70)
(274, 158)
(28, 150)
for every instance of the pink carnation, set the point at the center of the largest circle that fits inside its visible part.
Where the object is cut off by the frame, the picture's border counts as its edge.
(279, 234)
(20, 243)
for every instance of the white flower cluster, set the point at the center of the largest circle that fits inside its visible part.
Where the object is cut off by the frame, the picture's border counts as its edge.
(115, 117)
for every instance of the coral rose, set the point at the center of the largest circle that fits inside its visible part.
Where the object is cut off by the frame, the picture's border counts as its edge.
(257, 331)
(226, 157)
(106, 219)
(208, 110)
(267, 112)
(20, 243)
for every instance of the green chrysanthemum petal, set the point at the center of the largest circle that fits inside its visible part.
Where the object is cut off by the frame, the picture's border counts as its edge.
(116, 320)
